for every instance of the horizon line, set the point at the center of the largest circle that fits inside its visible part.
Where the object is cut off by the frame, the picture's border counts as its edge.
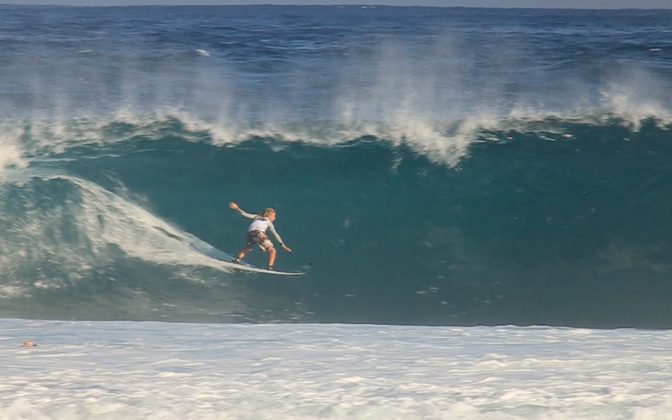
(325, 5)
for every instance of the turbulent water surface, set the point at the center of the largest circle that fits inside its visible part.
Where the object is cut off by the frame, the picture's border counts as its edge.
(150, 370)
(429, 166)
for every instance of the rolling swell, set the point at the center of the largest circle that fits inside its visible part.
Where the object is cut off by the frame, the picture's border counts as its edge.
(557, 221)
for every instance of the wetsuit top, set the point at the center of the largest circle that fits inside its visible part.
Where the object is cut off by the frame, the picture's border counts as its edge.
(261, 224)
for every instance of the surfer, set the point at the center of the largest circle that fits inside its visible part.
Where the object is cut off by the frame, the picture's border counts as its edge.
(256, 234)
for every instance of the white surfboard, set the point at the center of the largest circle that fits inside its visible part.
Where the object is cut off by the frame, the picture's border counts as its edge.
(251, 269)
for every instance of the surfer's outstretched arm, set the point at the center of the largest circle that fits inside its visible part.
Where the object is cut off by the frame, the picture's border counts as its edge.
(234, 206)
(278, 238)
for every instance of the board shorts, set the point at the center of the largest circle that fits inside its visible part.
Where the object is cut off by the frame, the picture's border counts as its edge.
(257, 237)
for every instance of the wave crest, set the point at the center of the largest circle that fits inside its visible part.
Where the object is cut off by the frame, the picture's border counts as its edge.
(442, 142)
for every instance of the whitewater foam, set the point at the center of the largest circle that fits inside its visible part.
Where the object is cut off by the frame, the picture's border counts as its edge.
(10, 157)
(118, 370)
(11, 152)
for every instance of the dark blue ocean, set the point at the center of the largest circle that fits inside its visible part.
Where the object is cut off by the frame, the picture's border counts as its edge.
(429, 166)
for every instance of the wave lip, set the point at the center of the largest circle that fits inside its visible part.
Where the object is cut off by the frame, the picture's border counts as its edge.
(443, 142)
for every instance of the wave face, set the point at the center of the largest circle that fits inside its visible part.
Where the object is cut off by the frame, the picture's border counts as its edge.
(434, 173)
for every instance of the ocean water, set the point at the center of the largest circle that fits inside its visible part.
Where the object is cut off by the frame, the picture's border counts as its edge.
(431, 166)
(149, 370)
(488, 187)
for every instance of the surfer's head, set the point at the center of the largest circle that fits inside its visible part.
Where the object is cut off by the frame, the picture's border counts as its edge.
(269, 213)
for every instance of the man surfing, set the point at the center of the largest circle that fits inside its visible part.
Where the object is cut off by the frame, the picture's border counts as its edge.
(256, 234)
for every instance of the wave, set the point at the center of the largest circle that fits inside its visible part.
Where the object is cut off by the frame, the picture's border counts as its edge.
(551, 221)
(444, 142)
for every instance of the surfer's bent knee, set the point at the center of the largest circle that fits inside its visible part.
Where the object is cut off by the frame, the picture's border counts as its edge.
(267, 245)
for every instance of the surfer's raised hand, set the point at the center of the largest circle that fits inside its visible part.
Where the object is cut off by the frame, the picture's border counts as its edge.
(286, 248)
(233, 205)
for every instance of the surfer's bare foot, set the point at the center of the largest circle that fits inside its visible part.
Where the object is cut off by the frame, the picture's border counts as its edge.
(236, 260)
(270, 268)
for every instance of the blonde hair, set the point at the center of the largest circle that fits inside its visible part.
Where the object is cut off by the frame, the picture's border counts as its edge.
(268, 211)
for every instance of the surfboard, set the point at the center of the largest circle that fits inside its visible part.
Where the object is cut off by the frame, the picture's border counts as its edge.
(252, 269)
